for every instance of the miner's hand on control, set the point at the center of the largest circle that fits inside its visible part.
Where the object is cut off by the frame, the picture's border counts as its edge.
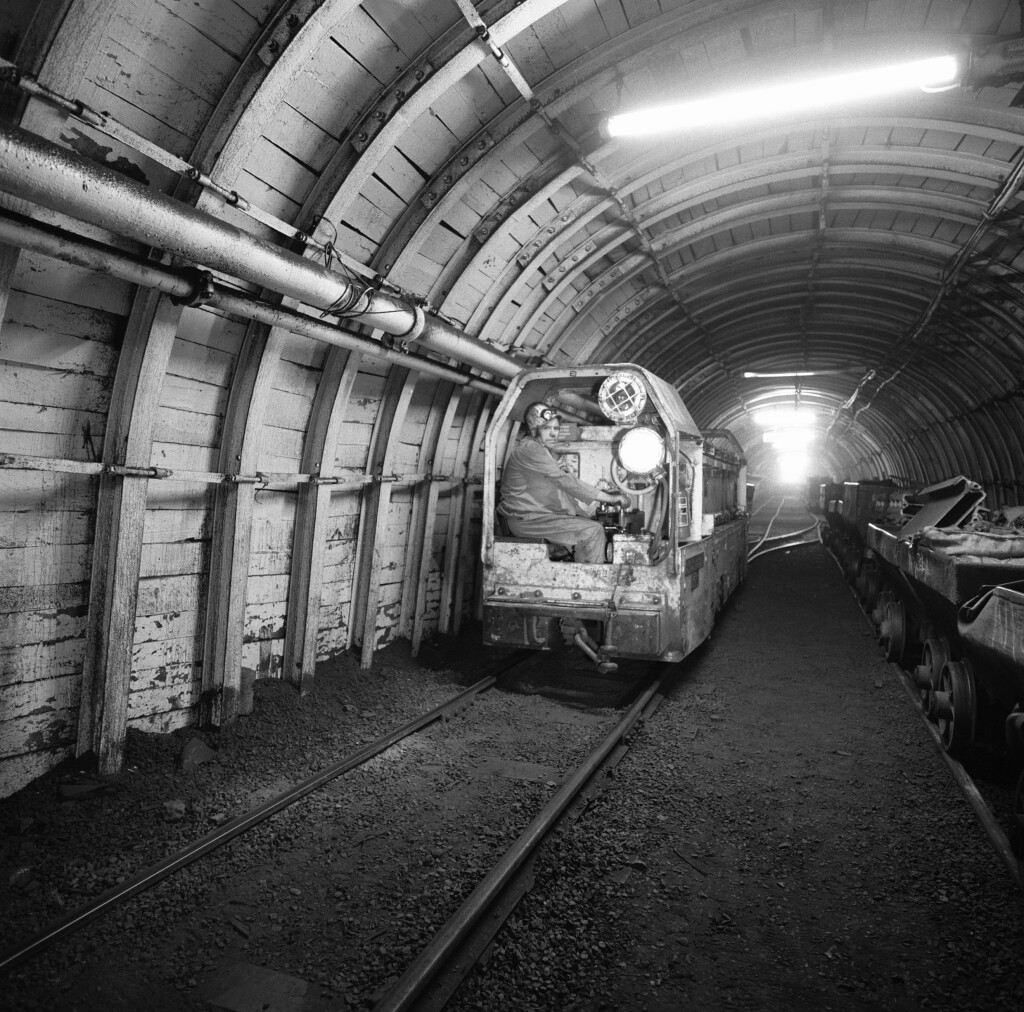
(619, 498)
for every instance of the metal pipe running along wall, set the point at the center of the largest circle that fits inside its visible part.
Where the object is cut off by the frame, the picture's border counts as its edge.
(180, 284)
(42, 172)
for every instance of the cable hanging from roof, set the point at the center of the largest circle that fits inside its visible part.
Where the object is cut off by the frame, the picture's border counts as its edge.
(951, 274)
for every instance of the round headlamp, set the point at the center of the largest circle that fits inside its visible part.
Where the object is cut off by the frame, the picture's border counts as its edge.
(622, 396)
(641, 450)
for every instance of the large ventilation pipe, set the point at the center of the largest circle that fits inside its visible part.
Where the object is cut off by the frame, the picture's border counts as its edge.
(195, 287)
(37, 170)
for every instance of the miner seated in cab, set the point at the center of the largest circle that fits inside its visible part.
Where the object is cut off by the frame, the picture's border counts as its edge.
(540, 500)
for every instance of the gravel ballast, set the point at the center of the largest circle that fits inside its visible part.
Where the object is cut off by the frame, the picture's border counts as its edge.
(782, 835)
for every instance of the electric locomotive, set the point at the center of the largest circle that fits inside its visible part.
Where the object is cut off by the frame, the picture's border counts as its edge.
(674, 555)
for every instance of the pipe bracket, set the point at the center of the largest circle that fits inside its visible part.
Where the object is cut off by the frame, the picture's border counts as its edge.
(419, 324)
(202, 289)
(126, 471)
(401, 342)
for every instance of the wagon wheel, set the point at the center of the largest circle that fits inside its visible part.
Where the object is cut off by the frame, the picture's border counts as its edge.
(885, 597)
(926, 675)
(955, 707)
(872, 588)
(861, 583)
(896, 628)
(852, 564)
(868, 584)
(1017, 825)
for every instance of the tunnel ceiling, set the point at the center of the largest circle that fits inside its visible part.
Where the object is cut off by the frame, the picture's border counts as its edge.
(455, 151)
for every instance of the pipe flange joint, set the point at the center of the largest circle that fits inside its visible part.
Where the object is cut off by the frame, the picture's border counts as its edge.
(419, 324)
(401, 342)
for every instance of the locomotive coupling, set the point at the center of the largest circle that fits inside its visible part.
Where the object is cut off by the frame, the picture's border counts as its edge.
(574, 632)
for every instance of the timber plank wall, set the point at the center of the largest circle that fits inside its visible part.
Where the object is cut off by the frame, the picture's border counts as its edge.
(62, 333)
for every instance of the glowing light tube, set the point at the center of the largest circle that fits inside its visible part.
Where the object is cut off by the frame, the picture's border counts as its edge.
(777, 100)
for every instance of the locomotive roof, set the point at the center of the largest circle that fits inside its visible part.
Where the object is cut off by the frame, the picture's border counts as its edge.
(584, 380)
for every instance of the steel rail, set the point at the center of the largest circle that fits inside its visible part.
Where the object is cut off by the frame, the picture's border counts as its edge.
(764, 505)
(961, 777)
(445, 984)
(784, 539)
(198, 288)
(150, 876)
(968, 788)
(417, 976)
(750, 551)
(789, 534)
(802, 542)
(37, 170)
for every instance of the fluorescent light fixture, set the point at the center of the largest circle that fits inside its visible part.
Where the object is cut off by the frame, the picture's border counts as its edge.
(791, 375)
(790, 418)
(780, 99)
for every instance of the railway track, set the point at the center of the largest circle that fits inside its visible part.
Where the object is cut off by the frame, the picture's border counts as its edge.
(430, 981)
(797, 527)
(229, 830)
(993, 804)
(446, 960)
(381, 883)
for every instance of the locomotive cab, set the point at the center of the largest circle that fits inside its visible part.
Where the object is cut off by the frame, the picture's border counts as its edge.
(673, 555)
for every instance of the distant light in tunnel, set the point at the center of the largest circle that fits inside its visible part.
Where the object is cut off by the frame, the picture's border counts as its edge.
(793, 467)
(778, 100)
(789, 439)
(789, 418)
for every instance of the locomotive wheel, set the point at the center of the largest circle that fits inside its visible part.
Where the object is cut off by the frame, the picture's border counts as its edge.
(1017, 823)
(954, 705)
(896, 631)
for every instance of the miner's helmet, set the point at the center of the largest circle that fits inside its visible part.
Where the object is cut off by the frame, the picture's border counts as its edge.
(537, 414)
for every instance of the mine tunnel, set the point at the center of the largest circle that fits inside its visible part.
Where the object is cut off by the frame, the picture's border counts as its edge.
(300, 684)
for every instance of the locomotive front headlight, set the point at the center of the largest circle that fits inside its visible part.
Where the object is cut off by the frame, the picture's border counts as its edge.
(641, 450)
